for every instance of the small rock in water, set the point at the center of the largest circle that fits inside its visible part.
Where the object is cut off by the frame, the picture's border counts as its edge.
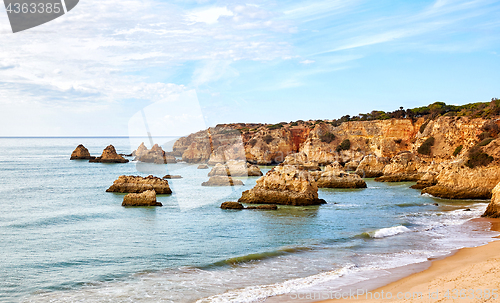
(231, 205)
(468, 209)
(172, 177)
(435, 204)
(202, 166)
(147, 198)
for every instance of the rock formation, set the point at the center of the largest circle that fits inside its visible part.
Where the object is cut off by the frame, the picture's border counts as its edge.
(427, 180)
(80, 153)
(300, 160)
(222, 181)
(172, 177)
(351, 165)
(457, 181)
(202, 166)
(371, 166)
(137, 184)
(286, 185)
(231, 205)
(335, 177)
(155, 155)
(109, 155)
(235, 169)
(146, 198)
(493, 210)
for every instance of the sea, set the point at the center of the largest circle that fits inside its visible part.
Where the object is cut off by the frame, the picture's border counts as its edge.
(65, 239)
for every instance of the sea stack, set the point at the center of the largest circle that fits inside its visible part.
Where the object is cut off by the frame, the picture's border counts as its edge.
(80, 153)
(109, 155)
(285, 185)
(137, 184)
(147, 198)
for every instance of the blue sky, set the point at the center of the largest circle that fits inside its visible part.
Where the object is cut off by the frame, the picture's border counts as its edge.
(88, 73)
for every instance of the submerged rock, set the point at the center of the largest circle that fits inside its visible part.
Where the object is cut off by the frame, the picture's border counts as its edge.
(222, 181)
(286, 185)
(263, 207)
(137, 184)
(493, 210)
(147, 198)
(235, 169)
(109, 155)
(81, 153)
(231, 205)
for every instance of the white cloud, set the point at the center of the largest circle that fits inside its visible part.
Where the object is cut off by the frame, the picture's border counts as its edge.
(307, 62)
(209, 15)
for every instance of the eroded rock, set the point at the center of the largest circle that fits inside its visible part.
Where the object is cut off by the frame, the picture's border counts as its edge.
(222, 181)
(146, 198)
(286, 185)
(137, 184)
(80, 153)
(109, 155)
(493, 210)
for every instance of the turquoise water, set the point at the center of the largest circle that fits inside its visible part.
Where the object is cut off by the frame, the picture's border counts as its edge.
(65, 239)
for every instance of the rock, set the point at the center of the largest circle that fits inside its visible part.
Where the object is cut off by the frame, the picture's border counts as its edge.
(351, 165)
(335, 177)
(235, 169)
(493, 209)
(172, 177)
(231, 205)
(286, 185)
(222, 181)
(154, 155)
(300, 160)
(140, 150)
(202, 166)
(448, 192)
(80, 153)
(400, 178)
(146, 198)
(427, 180)
(137, 184)
(371, 166)
(404, 163)
(109, 155)
(467, 209)
(457, 181)
(263, 207)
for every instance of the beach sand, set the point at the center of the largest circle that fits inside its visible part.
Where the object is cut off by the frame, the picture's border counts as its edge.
(470, 275)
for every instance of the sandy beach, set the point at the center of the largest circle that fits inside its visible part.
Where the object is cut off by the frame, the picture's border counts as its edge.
(470, 275)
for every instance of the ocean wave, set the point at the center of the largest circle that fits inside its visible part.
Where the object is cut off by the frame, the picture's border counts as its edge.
(261, 292)
(259, 256)
(385, 232)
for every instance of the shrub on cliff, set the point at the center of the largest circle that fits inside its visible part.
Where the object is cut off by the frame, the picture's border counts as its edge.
(425, 148)
(252, 142)
(485, 142)
(327, 137)
(457, 150)
(423, 126)
(478, 158)
(345, 145)
(275, 126)
(268, 139)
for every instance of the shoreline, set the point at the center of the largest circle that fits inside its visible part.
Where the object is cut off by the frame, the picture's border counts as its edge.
(466, 269)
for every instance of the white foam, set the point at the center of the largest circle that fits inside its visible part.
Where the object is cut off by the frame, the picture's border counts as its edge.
(261, 292)
(389, 232)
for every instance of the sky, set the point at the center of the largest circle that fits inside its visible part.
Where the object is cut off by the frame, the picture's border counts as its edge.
(125, 67)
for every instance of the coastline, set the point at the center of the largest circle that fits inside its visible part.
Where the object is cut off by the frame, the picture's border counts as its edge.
(475, 268)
